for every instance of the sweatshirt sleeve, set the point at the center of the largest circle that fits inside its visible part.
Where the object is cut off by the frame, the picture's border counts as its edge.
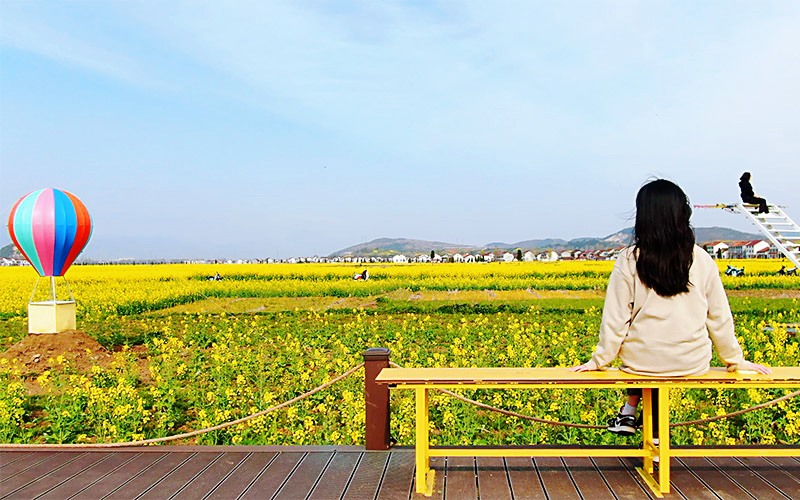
(719, 322)
(617, 313)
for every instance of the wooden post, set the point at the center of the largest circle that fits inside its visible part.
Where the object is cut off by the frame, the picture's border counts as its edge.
(376, 398)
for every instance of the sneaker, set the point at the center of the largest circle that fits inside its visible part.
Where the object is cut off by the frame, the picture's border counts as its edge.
(622, 425)
(655, 458)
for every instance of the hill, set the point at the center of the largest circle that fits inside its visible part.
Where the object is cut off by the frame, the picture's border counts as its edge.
(393, 246)
(10, 252)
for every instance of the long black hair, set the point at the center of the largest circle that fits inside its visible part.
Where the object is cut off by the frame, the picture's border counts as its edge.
(663, 237)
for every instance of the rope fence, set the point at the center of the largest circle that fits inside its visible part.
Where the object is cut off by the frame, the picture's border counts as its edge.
(350, 372)
(197, 432)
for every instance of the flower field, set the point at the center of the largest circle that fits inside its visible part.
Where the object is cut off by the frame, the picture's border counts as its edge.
(176, 352)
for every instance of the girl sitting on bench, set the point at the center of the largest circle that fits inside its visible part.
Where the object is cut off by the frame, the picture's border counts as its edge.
(665, 305)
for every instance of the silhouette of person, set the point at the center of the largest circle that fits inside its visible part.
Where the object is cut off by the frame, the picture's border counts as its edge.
(748, 196)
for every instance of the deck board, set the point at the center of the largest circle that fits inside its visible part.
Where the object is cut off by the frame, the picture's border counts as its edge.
(622, 478)
(367, 476)
(714, 479)
(211, 477)
(242, 476)
(523, 478)
(555, 478)
(398, 478)
(86, 477)
(493, 479)
(181, 476)
(459, 478)
(273, 477)
(185, 472)
(35, 471)
(115, 478)
(746, 478)
(336, 477)
(587, 478)
(150, 477)
(304, 477)
(778, 478)
(64, 473)
(687, 484)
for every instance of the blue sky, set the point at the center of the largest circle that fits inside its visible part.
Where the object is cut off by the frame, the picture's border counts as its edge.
(274, 129)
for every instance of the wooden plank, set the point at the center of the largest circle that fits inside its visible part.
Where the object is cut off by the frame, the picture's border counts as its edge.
(41, 468)
(210, 478)
(273, 477)
(524, 479)
(242, 476)
(24, 463)
(53, 478)
(304, 477)
(398, 478)
(8, 457)
(587, 478)
(181, 476)
(150, 476)
(778, 478)
(555, 478)
(119, 476)
(460, 479)
(746, 478)
(367, 476)
(492, 479)
(79, 482)
(715, 479)
(336, 476)
(686, 484)
(788, 465)
(623, 480)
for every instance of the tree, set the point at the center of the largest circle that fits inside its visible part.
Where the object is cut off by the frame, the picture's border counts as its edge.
(433, 254)
(519, 254)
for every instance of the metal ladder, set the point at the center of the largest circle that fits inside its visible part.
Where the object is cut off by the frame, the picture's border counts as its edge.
(782, 231)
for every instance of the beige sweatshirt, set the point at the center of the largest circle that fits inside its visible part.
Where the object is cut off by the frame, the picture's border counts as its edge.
(671, 336)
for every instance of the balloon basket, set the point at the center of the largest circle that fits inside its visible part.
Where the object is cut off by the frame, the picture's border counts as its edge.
(49, 313)
(51, 316)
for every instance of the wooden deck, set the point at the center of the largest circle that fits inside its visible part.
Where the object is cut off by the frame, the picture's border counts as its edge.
(197, 472)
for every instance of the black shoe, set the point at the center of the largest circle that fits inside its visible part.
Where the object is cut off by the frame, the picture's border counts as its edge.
(622, 425)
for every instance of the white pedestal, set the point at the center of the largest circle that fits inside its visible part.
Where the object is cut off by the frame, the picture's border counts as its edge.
(51, 316)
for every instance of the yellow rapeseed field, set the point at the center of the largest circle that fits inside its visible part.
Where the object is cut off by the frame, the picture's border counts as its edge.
(181, 352)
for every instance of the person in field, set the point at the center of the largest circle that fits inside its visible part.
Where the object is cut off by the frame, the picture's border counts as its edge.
(749, 196)
(665, 305)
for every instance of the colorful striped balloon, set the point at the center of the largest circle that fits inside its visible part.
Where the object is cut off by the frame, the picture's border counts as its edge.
(50, 227)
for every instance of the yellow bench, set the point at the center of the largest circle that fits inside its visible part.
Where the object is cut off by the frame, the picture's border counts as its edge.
(422, 380)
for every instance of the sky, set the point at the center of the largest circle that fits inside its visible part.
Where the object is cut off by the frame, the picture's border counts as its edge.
(253, 129)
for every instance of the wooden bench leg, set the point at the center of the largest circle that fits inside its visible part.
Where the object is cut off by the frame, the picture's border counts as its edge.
(647, 428)
(424, 475)
(664, 439)
(660, 486)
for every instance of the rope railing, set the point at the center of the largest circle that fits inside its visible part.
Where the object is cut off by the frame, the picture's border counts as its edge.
(196, 432)
(590, 426)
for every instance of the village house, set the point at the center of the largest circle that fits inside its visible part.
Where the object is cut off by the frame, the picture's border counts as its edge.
(717, 249)
(749, 249)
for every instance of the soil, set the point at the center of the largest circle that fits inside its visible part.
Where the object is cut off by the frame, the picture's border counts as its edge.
(37, 352)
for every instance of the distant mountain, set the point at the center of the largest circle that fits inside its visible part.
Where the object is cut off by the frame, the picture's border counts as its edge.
(706, 234)
(393, 246)
(10, 252)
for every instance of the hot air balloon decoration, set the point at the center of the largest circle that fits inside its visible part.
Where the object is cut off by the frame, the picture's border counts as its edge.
(50, 227)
